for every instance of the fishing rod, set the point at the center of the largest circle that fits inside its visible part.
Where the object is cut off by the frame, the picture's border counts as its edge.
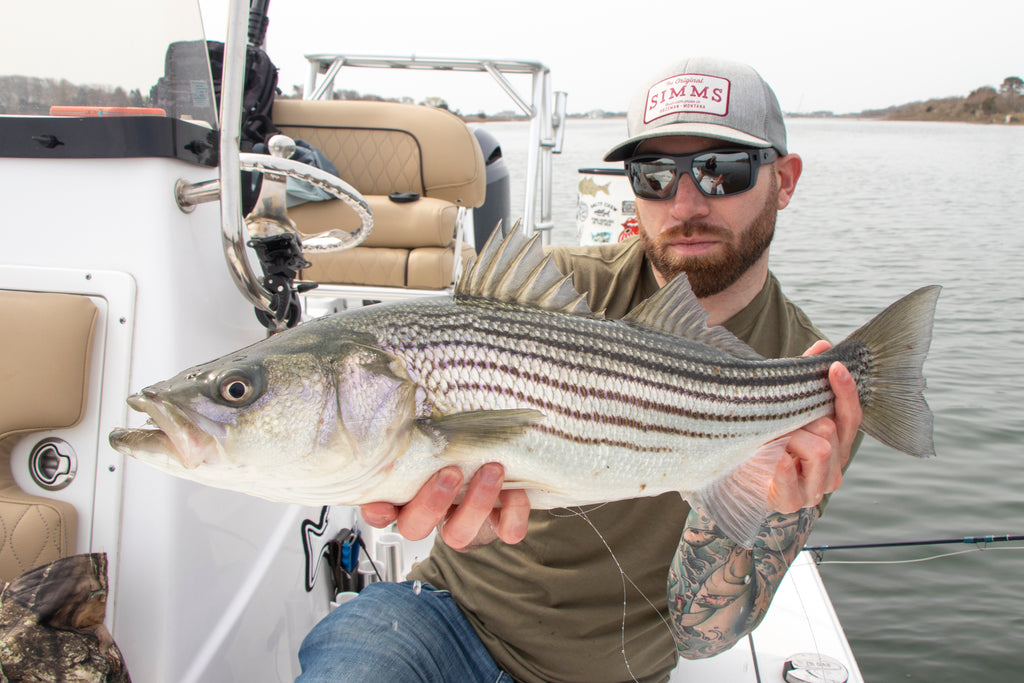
(819, 550)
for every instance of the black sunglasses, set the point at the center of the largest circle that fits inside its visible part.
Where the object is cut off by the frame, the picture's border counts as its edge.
(715, 172)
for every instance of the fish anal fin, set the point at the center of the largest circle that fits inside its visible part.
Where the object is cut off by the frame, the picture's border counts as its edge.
(737, 502)
(477, 429)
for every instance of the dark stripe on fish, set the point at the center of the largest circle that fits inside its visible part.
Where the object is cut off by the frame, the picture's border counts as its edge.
(549, 407)
(801, 385)
(731, 372)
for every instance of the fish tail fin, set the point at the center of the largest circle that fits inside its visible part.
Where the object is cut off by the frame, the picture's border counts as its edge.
(896, 341)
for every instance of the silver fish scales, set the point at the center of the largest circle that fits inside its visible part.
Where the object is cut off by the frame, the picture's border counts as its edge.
(598, 384)
(514, 368)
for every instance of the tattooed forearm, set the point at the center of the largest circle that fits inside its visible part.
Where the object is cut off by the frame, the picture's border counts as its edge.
(718, 591)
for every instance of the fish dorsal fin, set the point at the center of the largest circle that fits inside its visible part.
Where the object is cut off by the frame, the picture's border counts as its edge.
(675, 310)
(515, 269)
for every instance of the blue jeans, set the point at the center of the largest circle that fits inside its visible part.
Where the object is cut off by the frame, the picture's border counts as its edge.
(394, 633)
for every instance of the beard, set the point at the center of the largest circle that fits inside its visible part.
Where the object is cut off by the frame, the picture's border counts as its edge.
(710, 275)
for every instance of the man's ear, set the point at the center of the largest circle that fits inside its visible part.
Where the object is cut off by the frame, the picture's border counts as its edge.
(787, 171)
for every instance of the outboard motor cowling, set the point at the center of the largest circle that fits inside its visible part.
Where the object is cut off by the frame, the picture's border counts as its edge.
(497, 201)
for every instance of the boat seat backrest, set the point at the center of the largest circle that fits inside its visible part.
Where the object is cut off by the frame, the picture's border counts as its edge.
(47, 342)
(381, 148)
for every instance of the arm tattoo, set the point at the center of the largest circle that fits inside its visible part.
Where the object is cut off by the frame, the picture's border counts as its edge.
(718, 591)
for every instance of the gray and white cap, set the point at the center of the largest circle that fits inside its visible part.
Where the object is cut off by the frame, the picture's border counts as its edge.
(705, 97)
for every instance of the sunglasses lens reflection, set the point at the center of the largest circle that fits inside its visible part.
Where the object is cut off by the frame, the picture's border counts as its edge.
(655, 179)
(722, 173)
(715, 173)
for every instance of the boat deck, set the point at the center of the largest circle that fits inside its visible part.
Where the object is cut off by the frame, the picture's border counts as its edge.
(801, 615)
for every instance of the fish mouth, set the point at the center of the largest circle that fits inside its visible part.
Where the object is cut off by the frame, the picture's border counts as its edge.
(179, 434)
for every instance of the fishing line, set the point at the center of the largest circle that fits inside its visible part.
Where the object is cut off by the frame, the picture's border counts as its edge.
(623, 575)
(776, 534)
(980, 543)
(578, 512)
(820, 561)
(983, 540)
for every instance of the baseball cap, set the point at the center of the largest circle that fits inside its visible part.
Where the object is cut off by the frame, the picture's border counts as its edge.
(705, 97)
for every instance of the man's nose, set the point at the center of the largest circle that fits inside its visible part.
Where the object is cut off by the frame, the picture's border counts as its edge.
(689, 202)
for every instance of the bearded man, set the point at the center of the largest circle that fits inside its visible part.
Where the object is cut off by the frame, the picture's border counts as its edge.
(513, 594)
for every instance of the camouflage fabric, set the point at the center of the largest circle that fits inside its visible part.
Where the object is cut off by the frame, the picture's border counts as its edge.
(51, 625)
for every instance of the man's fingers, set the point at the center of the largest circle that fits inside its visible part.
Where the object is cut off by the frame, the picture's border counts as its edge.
(847, 406)
(378, 515)
(819, 450)
(513, 516)
(817, 347)
(810, 469)
(784, 493)
(474, 512)
(424, 512)
(823, 428)
(485, 513)
(811, 451)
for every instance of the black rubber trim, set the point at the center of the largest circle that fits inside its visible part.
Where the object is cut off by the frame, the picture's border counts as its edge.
(107, 137)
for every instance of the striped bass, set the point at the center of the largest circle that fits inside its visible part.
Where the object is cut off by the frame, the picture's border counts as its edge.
(513, 368)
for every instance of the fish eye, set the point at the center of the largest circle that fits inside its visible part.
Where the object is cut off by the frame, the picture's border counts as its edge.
(235, 389)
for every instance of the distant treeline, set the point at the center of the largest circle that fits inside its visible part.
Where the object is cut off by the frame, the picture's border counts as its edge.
(30, 96)
(437, 102)
(984, 105)
(33, 96)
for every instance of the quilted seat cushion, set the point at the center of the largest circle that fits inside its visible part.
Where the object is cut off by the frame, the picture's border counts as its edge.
(425, 222)
(372, 161)
(431, 267)
(422, 268)
(360, 265)
(33, 530)
(47, 342)
(384, 147)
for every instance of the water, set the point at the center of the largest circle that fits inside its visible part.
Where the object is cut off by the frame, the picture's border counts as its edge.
(883, 208)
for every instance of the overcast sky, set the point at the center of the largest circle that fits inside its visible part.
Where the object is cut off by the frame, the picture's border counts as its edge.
(838, 55)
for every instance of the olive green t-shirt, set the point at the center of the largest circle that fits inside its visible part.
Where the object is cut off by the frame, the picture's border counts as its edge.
(550, 608)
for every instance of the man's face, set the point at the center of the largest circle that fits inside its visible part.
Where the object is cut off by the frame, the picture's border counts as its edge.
(714, 240)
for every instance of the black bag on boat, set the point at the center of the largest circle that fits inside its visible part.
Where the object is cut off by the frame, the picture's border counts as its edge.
(176, 92)
(258, 96)
(257, 102)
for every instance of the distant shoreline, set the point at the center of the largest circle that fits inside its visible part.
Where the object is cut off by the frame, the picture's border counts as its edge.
(1015, 119)
(1001, 119)
(984, 105)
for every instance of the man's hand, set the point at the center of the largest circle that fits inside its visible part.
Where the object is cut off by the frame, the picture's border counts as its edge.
(818, 451)
(705, 619)
(486, 512)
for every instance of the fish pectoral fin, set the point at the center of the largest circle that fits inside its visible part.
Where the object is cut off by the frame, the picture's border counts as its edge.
(738, 502)
(477, 429)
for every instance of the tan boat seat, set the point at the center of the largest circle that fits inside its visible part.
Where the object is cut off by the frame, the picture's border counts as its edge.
(47, 342)
(381, 148)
